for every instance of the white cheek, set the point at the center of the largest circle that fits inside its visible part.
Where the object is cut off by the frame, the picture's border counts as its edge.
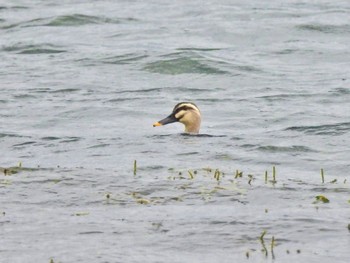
(180, 115)
(185, 118)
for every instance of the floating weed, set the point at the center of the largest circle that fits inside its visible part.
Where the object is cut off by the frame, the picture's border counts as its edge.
(55, 181)
(321, 199)
(176, 198)
(81, 214)
(5, 182)
(11, 170)
(143, 201)
(333, 181)
(208, 169)
(139, 199)
(266, 177)
(251, 177)
(207, 194)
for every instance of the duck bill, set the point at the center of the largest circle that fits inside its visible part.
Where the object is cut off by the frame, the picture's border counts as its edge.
(167, 120)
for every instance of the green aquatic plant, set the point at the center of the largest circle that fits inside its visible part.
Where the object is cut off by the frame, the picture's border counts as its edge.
(274, 174)
(262, 241)
(322, 175)
(321, 198)
(143, 201)
(139, 199)
(135, 167)
(238, 174)
(190, 174)
(217, 175)
(272, 246)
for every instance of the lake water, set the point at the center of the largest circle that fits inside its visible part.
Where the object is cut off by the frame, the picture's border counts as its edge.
(82, 82)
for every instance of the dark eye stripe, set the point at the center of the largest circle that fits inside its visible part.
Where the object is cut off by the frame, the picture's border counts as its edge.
(182, 108)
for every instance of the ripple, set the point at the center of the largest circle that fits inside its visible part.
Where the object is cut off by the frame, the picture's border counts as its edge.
(24, 143)
(124, 59)
(294, 148)
(151, 90)
(182, 65)
(66, 20)
(102, 145)
(198, 49)
(2, 135)
(13, 7)
(328, 29)
(71, 139)
(327, 129)
(341, 91)
(79, 19)
(67, 90)
(33, 49)
(50, 138)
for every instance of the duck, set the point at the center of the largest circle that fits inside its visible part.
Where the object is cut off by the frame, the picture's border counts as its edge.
(186, 113)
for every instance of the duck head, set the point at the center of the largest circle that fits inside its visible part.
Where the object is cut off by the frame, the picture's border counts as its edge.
(185, 112)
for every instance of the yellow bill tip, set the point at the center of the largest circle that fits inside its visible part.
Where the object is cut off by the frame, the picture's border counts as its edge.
(157, 124)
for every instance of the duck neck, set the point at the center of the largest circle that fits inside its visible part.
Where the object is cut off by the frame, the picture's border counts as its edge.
(194, 125)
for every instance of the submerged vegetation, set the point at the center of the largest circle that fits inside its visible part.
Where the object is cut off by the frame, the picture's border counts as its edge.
(209, 185)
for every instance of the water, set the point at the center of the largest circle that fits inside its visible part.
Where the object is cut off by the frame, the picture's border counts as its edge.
(81, 85)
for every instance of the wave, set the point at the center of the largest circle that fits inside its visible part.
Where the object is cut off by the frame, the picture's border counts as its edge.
(326, 129)
(67, 20)
(33, 49)
(325, 28)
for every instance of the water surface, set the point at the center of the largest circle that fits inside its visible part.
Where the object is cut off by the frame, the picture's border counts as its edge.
(81, 85)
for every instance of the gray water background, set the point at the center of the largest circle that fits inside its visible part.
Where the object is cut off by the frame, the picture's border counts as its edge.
(82, 82)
